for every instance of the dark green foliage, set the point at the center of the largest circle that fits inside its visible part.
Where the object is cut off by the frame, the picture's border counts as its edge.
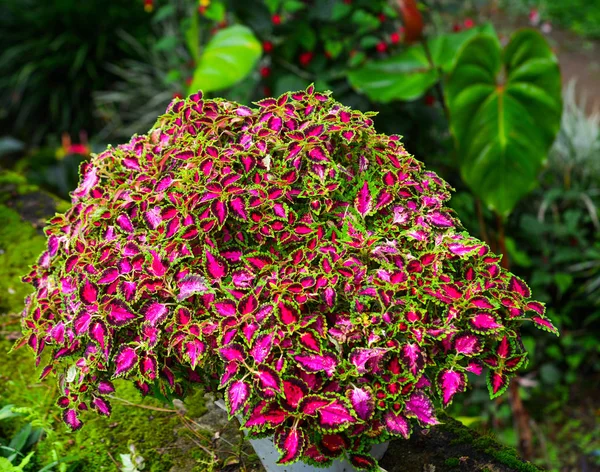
(53, 56)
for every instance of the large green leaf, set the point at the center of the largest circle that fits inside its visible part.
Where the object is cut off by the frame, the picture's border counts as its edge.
(227, 58)
(409, 74)
(505, 109)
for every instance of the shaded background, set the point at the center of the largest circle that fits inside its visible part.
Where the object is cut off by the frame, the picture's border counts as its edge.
(77, 76)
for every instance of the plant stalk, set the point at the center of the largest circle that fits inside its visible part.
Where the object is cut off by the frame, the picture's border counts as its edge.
(520, 415)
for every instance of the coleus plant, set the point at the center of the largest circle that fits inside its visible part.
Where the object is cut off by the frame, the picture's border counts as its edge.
(286, 255)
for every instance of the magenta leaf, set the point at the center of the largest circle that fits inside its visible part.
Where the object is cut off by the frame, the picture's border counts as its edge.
(119, 314)
(124, 223)
(419, 406)
(71, 418)
(484, 322)
(334, 416)
(294, 390)
(125, 360)
(545, 324)
(497, 383)
(518, 286)
(109, 276)
(231, 368)
(397, 424)
(467, 344)
(105, 387)
(155, 313)
(88, 293)
(268, 378)
(81, 323)
(412, 358)
(318, 363)
(236, 396)
(310, 404)
(291, 443)
(288, 313)
(233, 352)
(261, 348)
(364, 201)
(225, 307)
(362, 461)
(101, 406)
(362, 401)
(216, 267)
(367, 359)
(193, 351)
(192, 285)
(449, 383)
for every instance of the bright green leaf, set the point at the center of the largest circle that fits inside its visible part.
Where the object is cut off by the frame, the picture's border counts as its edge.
(227, 58)
(505, 109)
(293, 5)
(215, 11)
(409, 74)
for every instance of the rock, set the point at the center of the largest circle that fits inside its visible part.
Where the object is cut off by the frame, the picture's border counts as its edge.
(451, 447)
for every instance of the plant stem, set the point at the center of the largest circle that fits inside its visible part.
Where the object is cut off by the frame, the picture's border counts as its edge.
(438, 85)
(520, 414)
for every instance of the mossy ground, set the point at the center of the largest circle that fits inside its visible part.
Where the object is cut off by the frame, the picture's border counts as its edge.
(161, 437)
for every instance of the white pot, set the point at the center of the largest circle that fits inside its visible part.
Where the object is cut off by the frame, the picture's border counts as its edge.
(269, 455)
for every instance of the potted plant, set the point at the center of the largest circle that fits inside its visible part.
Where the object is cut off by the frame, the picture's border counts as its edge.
(286, 255)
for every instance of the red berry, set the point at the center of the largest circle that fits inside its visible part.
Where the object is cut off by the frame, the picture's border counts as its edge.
(382, 17)
(266, 91)
(223, 24)
(265, 71)
(468, 23)
(305, 58)
(429, 100)
(177, 95)
(394, 38)
(268, 46)
(456, 27)
(381, 46)
(347, 2)
(201, 9)
(188, 81)
(276, 19)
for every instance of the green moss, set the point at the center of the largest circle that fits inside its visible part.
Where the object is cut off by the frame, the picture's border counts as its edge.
(157, 435)
(195, 403)
(452, 462)
(20, 247)
(486, 444)
(151, 432)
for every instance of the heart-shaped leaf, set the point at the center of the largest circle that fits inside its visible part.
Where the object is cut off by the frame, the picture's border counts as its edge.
(505, 109)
